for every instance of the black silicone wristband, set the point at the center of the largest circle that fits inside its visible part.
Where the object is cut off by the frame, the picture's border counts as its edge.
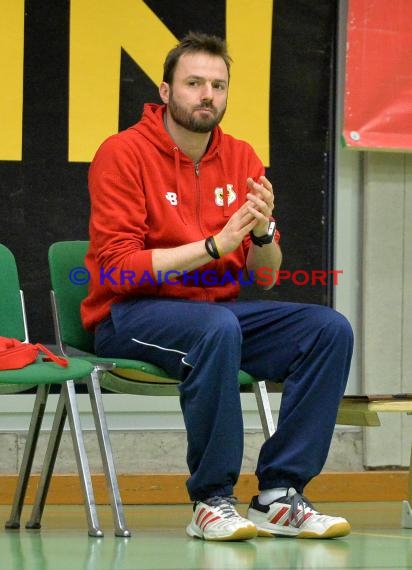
(211, 248)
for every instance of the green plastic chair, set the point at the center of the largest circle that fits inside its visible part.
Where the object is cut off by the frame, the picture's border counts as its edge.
(118, 375)
(41, 375)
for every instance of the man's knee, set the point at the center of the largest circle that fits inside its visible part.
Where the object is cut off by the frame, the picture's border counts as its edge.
(338, 326)
(342, 324)
(223, 322)
(323, 317)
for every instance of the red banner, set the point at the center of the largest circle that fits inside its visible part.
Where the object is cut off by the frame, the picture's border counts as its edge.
(378, 86)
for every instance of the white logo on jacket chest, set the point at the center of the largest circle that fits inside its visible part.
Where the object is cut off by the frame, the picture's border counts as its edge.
(231, 195)
(172, 197)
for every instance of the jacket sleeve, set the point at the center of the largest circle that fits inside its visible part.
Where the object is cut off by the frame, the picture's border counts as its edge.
(118, 216)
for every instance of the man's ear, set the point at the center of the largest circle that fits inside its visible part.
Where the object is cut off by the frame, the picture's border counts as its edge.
(164, 91)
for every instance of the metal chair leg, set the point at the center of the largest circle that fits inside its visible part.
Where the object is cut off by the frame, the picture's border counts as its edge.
(406, 520)
(263, 404)
(28, 456)
(48, 465)
(81, 458)
(102, 431)
(406, 517)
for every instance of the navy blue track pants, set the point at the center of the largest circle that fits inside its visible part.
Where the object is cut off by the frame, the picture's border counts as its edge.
(308, 347)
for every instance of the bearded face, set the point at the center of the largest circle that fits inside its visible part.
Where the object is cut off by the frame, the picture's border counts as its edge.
(201, 118)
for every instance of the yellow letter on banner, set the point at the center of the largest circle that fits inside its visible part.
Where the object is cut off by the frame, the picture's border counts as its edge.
(249, 38)
(99, 28)
(11, 70)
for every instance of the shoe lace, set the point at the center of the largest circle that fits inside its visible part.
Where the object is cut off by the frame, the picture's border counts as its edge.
(224, 504)
(298, 504)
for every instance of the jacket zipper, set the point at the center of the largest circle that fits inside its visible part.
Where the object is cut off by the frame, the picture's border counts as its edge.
(197, 173)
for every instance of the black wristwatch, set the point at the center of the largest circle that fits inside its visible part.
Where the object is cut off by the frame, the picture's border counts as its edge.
(268, 238)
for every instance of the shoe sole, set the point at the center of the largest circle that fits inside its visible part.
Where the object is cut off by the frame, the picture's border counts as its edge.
(245, 533)
(335, 531)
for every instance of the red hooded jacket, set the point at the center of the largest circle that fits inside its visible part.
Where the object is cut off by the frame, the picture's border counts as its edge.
(145, 194)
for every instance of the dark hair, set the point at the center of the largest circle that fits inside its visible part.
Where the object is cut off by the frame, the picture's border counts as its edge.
(195, 42)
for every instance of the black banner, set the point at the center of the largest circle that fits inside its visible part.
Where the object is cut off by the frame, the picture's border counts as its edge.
(44, 195)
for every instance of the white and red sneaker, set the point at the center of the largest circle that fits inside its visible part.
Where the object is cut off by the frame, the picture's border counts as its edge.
(217, 519)
(293, 515)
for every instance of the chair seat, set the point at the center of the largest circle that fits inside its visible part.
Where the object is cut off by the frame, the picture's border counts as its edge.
(142, 371)
(137, 370)
(46, 373)
(141, 383)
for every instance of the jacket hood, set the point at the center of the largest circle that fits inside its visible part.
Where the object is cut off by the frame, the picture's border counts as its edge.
(151, 126)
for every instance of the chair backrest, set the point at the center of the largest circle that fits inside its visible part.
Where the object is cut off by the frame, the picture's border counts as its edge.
(65, 258)
(12, 319)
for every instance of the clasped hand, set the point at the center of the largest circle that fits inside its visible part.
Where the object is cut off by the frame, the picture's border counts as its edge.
(260, 203)
(253, 215)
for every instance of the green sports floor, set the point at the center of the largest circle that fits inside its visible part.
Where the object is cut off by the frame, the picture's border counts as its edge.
(159, 542)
